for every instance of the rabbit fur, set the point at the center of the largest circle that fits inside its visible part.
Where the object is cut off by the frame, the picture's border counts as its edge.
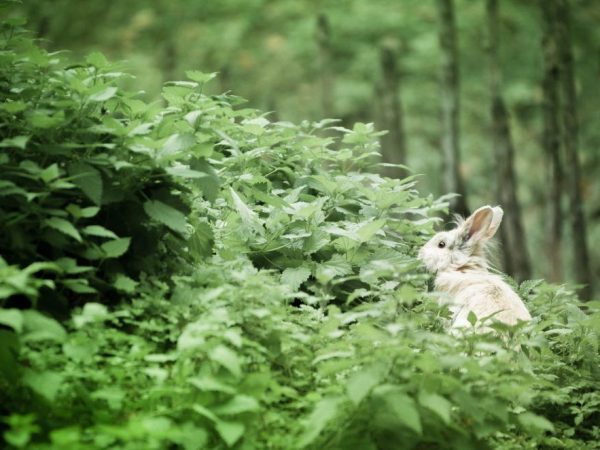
(458, 259)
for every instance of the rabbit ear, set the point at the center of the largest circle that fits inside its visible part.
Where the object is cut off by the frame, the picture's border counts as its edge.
(477, 226)
(496, 220)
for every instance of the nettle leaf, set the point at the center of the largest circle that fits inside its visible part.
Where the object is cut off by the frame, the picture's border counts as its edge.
(294, 277)
(88, 179)
(249, 217)
(534, 423)
(64, 226)
(227, 358)
(237, 405)
(360, 383)
(125, 284)
(12, 318)
(167, 215)
(46, 384)
(16, 142)
(102, 93)
(436, 403)
(472, 318)
(175, 144)
(116, 247)
(200, 77)
(325, 411)
(37, 327)
(400, 406)
(97, 59)
(230, 432)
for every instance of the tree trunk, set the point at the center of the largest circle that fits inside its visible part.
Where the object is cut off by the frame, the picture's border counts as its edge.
(581, 263)
(324, 59)
(393, 147)
(450, 107)
(551, 142)
(516, 260)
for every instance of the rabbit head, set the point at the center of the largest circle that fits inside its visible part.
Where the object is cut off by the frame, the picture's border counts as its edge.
(464, 247)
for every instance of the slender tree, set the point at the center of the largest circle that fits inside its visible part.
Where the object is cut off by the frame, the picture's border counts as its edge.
(516, 260)
(552, 142)
(450, 107)
(393, 144)
(324, 60)
(581, 263)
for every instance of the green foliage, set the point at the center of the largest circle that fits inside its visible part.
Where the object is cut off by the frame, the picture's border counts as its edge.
(193, 275)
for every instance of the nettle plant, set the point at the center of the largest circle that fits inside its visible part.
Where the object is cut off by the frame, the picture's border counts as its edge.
(189, 274)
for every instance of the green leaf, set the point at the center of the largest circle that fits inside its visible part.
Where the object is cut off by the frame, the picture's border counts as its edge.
(64, 226)
(472, 318)
(325, 410)
(534, 423)
(99, 231)
(116, 247)
(16, 142)
(230, 432)
(294, 277)
(200, 77)
(368, 230)
(360, 383)
(91, 312)
(45, 383)
(125, 284)
(13, 107)
(249, 217)
(167, 215)
(50, 173)
(103, 94)
(227, 358)
(237, 405)
(436, 403)
(97, 59)
(88, 179)
(401, 407)
(37, 327)
(12, 318)
(175, 144)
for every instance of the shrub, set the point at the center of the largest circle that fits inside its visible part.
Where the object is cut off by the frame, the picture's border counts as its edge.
(192, 275)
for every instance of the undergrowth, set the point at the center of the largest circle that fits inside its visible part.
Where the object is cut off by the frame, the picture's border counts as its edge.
(190, 274)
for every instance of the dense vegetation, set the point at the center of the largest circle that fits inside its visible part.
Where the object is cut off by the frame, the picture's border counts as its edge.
(194, 275)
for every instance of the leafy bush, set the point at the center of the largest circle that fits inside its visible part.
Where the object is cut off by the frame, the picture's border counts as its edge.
(196, 276)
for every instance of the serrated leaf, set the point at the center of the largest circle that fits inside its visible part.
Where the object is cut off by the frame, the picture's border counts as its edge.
(230, 432)
(103, 94)
(88, 179)
(249, 217)
(227, 358)
(200, 77)
(436, 403)
(360, 383)
(45, 383)
(237, 405)
(91, 312)
(125, 284)
(167, 215)
(37, 327)
(535, 423)
(16, 142)
(325, 410)
(294, 277)
(97, 59)
(176, 144)
(116, 247)
(401, 407)
(64, 226)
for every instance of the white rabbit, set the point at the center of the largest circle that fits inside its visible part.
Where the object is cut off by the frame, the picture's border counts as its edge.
(458, 259)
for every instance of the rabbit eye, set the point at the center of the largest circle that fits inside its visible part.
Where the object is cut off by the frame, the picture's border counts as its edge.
(441, 244)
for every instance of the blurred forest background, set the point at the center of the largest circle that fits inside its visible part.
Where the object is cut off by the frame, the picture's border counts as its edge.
(497, 100)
